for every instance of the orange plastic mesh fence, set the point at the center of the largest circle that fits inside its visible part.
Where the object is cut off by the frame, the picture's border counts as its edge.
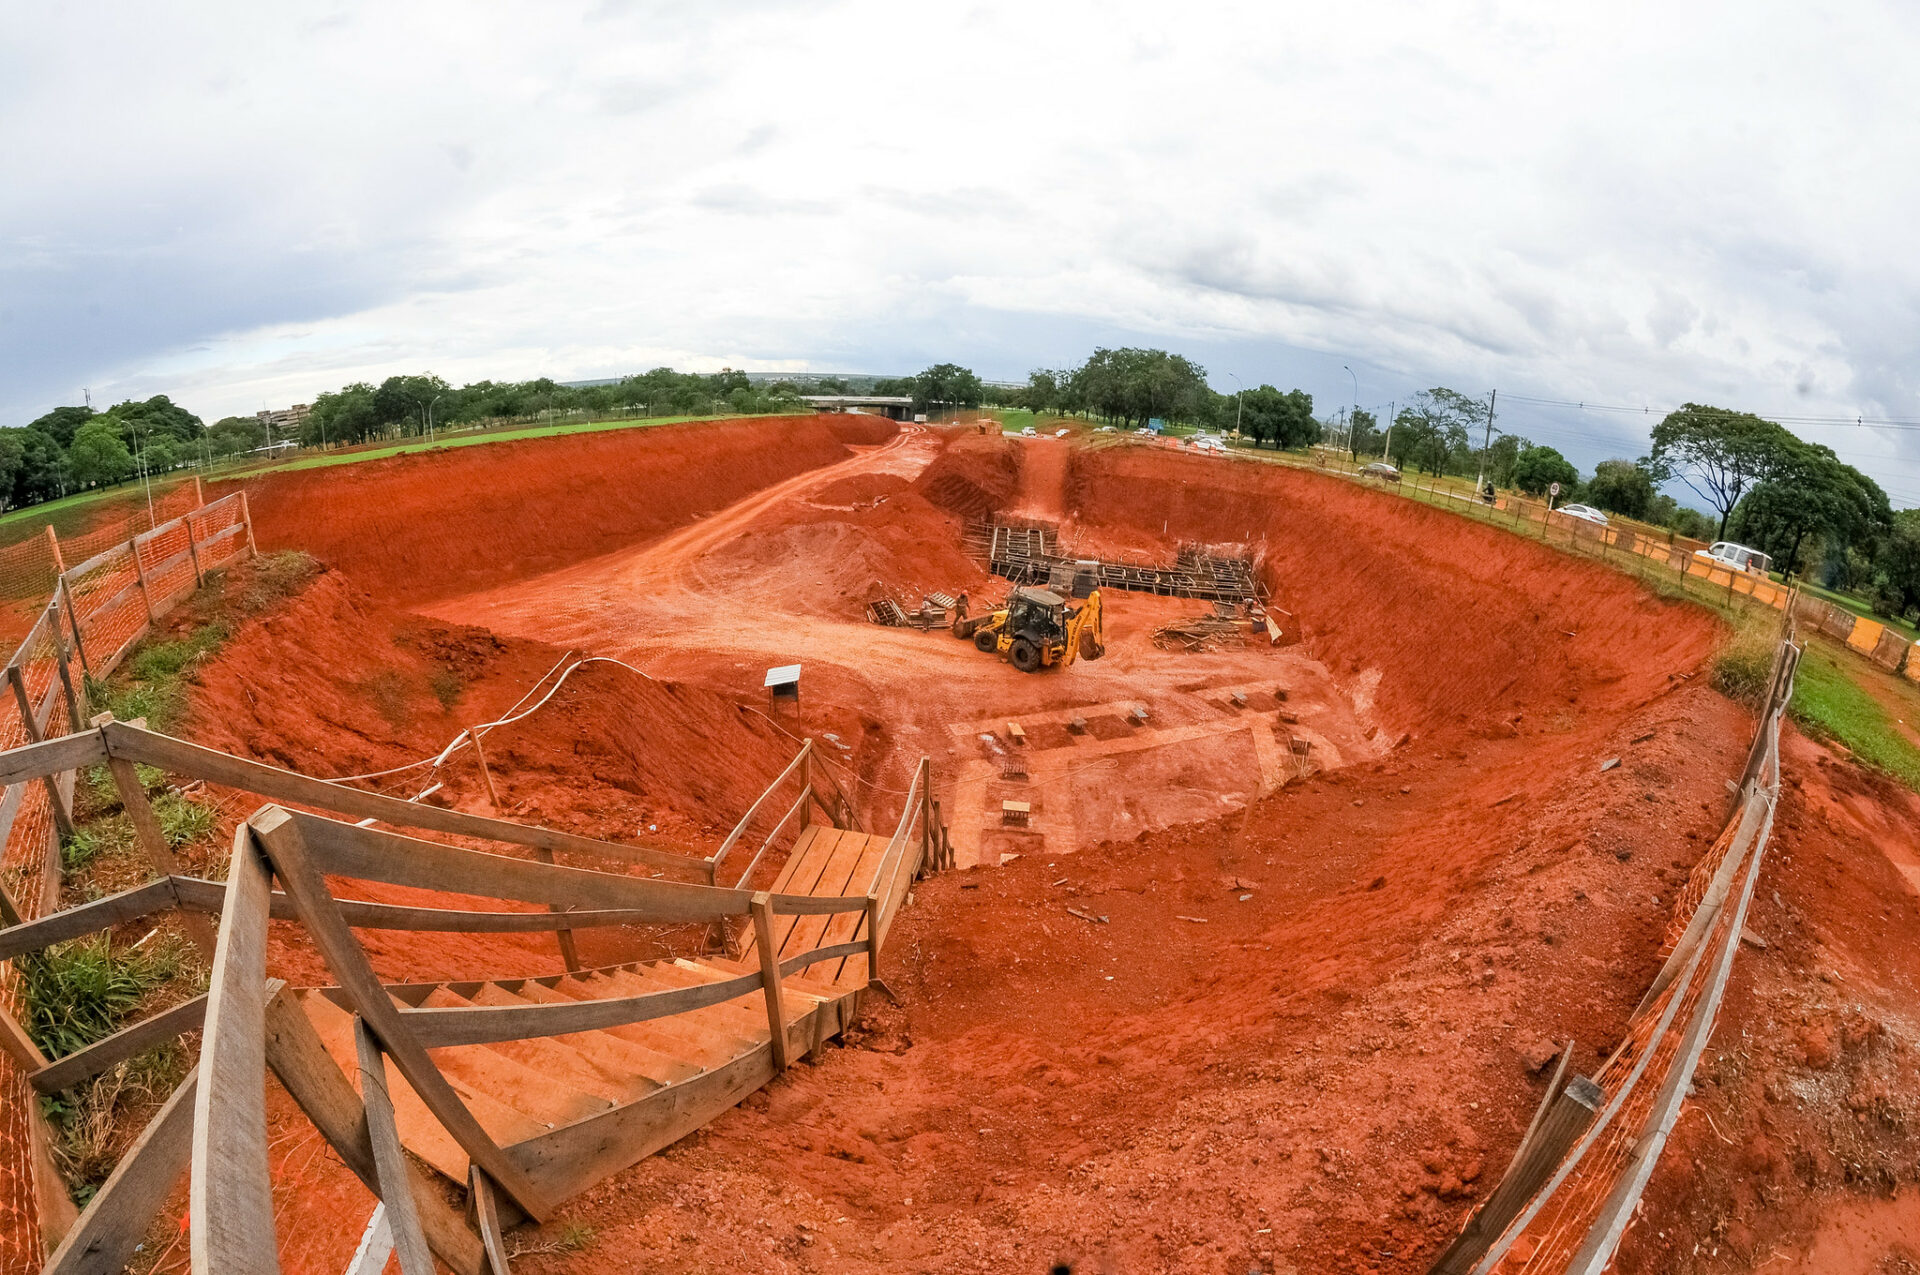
(101, 596)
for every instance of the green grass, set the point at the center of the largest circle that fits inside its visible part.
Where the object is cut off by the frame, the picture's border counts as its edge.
(79, 992)
(473, 439)
(1830, 703)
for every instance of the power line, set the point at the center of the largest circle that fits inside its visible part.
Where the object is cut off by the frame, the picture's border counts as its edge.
(1859, 422)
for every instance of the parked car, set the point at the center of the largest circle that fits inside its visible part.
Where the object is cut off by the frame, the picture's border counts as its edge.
(1061, 433)
(1724, 553)
(1381, 470)
(1585, 513)
(1028, 432)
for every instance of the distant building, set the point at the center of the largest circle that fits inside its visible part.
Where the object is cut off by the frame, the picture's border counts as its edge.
(285, 420)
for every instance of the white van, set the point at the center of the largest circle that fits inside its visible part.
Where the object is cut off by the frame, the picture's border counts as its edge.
(1724, 553)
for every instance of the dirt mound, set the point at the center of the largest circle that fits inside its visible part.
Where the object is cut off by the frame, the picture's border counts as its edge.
(330, 683)
(1451, 621)
(974, 476)
(858, 491)
(425, 526)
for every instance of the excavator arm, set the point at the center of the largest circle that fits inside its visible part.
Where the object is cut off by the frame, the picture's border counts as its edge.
(1086, 632)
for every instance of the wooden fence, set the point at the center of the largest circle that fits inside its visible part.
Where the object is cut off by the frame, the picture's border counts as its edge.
(98, 609)
(215, 1124)
(1576, 1178)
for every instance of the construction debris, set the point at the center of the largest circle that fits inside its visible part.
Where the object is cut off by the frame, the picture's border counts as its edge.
(1227, 625)
(1031, 554)
(934, 612)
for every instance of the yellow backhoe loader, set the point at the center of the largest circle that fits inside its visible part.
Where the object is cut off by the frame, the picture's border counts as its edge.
(1037, 629)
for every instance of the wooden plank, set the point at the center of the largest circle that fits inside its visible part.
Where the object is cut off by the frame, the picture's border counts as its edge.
(770, 978)
(486, 1218)
(153, 841)
(563, 933)
(806, 867)
(232, 1196)
(389, 1161)
(62, 812)
(363, 915)
(799, 760)
(217, 767)
(376, 1245)
(340, 849)
(328, 929)
(101, 914)
(484, 1024)
(16, 1044)
(103, 1241)
(70, 1069)
(836, 878)
(314, 1080)
(64, 752)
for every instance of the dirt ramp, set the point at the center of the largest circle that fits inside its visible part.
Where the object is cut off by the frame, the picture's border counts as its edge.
(420, 527)
(976, 475)
(1438, 619)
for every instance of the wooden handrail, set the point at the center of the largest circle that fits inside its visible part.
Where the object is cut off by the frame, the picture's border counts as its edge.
(437, 1027)
(231, 1196)
(719, 856)
(134, 744)
(89, 918)
(799, 807)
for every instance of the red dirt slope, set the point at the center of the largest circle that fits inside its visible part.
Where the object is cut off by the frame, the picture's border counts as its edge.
(330, 683)
(416, 527)
(1460, 621)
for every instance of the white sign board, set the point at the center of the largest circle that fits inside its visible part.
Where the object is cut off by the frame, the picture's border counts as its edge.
(1553, 489)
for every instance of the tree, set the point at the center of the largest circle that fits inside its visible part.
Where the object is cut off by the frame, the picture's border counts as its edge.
(1285, 420)
(1717, 453)
(158, 417)
(13, 452)
(1536, 469)
(98, 455)
(234, 435)
(1043, 391)
(1501, 456)
(43, 472)
(348, 415)
(1437, 424)
(61, 422)
(945, 385)
(1621, 487)
(1811, 497)
(1896, 568)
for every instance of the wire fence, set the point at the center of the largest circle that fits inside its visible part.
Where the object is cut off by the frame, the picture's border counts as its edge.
(87, 618)
(1575, 1182)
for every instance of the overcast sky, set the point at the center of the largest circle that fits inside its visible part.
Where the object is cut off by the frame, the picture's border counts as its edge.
(1629, 204)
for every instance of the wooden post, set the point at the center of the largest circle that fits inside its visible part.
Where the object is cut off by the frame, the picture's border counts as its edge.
(389, 1161)
(486, 1220)
(199, 497)
(246, 515)
(873, 937)
(493, 794)
(568, 952)
(76, 707)
(73, 618)
(348, 962)
(153, 842)
(193, 548)
(140, 574)
(62, 813)
(770, 976)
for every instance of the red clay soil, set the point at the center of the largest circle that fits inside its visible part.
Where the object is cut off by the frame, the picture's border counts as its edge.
(1322, 1075)
(1463, 622)
(414, 527)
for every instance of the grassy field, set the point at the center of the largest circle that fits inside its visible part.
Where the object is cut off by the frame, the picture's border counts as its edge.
(471, 439)
(1876, 720)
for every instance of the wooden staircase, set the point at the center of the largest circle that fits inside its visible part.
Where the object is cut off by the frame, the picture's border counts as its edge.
(524, 1090)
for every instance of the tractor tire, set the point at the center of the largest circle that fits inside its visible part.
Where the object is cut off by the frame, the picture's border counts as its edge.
(986, 640)
(1089, 648)
(1024, 654)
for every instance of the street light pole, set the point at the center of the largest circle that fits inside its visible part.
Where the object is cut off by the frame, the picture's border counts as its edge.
(1485, 444)
(1351, 445)
(1239, 404)
(436, 398)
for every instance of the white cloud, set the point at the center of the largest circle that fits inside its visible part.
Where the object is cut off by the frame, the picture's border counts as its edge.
(1621, 203)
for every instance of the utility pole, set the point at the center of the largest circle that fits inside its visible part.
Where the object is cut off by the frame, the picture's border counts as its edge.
(1386, 452)
(1238, 404)
(1356, 411)
(1485, 443)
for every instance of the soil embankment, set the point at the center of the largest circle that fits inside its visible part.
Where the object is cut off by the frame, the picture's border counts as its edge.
(1455, 622)
(416, 527)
